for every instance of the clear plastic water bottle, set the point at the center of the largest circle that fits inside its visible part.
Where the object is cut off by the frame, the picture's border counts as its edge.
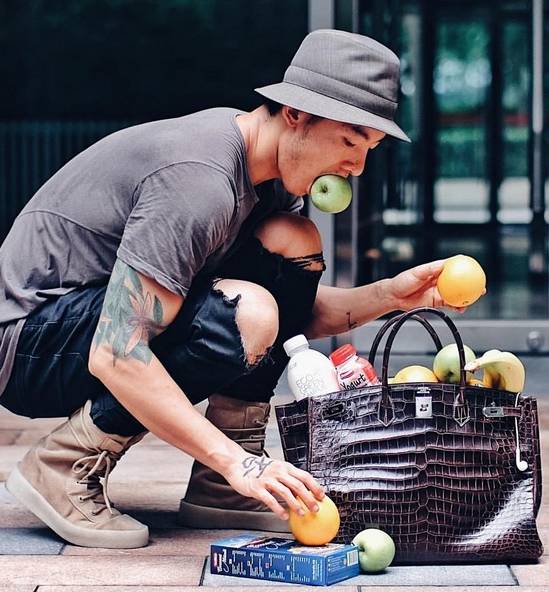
(352, 371)
(309, 372)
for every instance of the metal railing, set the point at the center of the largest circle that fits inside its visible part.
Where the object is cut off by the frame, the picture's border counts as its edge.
(31, 151)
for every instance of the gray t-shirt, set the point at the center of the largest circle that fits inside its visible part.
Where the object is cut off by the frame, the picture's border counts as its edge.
(167, 197)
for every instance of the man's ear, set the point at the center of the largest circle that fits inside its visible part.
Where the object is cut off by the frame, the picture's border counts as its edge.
(293, 117)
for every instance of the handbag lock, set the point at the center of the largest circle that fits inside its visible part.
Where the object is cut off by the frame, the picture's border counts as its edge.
(424, 406)
(333, 410)
(495, 411)
(516, 412)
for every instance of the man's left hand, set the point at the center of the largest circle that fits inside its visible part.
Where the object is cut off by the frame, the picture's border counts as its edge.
(417, 287)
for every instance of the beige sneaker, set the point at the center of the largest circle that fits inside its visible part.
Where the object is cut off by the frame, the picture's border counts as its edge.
(210, 502)
(63, 480)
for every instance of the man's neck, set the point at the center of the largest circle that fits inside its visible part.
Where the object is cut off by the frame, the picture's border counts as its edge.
(261, 133)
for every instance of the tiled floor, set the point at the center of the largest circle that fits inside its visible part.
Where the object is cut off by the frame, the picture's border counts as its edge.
(148, 484)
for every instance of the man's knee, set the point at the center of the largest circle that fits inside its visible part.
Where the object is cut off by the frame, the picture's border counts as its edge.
(292, 236)
(256, 316)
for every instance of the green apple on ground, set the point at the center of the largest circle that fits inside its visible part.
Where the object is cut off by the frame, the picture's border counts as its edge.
(331, 193)
(376, 549)
(446, 363)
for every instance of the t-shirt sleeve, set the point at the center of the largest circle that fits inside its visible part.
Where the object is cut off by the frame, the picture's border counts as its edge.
(181, 215)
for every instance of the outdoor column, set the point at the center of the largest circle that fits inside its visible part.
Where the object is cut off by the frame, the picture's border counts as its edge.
(322, 16)
(538, 249)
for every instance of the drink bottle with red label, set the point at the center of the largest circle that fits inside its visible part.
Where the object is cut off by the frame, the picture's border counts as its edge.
(352, 371)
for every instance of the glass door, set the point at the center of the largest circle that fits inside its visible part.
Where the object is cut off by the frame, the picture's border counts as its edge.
(464, 184)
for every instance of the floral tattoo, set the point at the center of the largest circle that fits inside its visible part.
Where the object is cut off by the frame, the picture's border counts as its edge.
(130, 318)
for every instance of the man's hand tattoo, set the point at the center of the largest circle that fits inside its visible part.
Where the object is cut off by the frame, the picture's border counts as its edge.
(255, 462)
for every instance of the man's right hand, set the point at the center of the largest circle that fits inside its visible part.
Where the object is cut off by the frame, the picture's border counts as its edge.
(136, 308)
(271, 481)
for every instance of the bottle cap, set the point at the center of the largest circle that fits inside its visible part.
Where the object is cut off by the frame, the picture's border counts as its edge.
(294, 342)
(342, 354)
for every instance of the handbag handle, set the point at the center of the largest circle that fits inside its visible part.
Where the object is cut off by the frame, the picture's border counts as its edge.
(386, 407)
(388, 324)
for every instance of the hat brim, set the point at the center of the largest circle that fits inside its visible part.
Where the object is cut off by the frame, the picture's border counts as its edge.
(323, 106)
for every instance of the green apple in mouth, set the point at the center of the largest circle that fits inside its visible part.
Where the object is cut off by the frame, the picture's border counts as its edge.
(331, 193)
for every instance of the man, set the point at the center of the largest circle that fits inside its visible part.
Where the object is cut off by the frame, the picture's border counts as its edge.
(164, 265)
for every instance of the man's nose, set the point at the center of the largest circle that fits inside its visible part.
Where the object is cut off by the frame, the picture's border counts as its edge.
(357, 166)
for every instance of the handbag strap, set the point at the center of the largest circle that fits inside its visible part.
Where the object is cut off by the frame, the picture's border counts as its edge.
(386, 412)
(388, 324)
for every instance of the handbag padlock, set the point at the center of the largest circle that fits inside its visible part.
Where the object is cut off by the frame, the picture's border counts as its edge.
(424, 403)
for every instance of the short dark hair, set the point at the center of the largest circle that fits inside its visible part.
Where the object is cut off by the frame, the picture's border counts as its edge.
(273, 107)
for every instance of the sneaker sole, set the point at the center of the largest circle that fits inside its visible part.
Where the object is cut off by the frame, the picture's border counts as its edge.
(195, 516)
(19, 487)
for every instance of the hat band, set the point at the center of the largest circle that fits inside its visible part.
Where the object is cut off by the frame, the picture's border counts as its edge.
(341, 91)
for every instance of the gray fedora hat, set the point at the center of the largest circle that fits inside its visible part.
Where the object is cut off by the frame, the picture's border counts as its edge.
(345, 77)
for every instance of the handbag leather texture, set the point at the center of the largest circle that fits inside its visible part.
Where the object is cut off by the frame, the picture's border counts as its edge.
(446, 488)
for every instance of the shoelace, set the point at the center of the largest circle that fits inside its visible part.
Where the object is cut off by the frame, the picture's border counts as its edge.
(92, 480)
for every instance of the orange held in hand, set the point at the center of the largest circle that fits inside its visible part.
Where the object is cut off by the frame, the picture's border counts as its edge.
(315, 528)
(462, 281)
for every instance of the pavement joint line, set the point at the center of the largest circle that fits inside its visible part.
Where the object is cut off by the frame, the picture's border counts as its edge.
(513, 575)
(203, 572)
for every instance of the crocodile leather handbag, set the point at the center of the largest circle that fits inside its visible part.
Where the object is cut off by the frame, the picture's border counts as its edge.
(451, 472)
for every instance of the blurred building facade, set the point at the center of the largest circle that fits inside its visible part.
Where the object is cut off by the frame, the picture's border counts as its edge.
(77, 70)
(474, 76)
(472, 181)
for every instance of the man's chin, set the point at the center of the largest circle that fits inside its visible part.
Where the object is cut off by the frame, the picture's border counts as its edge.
(295, 190)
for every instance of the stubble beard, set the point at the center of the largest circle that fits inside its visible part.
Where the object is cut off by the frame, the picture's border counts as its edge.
(296, 160)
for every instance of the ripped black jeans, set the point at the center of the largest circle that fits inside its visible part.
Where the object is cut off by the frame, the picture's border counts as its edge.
(202, 348)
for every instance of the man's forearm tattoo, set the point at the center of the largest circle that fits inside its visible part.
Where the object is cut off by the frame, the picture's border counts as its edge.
(130, 318)
(252, 463)
(350, 325)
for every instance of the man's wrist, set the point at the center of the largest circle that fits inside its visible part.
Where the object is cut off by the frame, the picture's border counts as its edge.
(385, 295)
(224, 461)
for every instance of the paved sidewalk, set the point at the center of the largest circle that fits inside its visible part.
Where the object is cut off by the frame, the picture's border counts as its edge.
(148, 484)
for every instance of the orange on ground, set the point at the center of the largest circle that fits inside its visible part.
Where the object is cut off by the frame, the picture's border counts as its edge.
(315, 528)
(462, 281)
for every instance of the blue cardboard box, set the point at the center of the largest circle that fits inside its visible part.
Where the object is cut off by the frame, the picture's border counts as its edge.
(283, 560)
